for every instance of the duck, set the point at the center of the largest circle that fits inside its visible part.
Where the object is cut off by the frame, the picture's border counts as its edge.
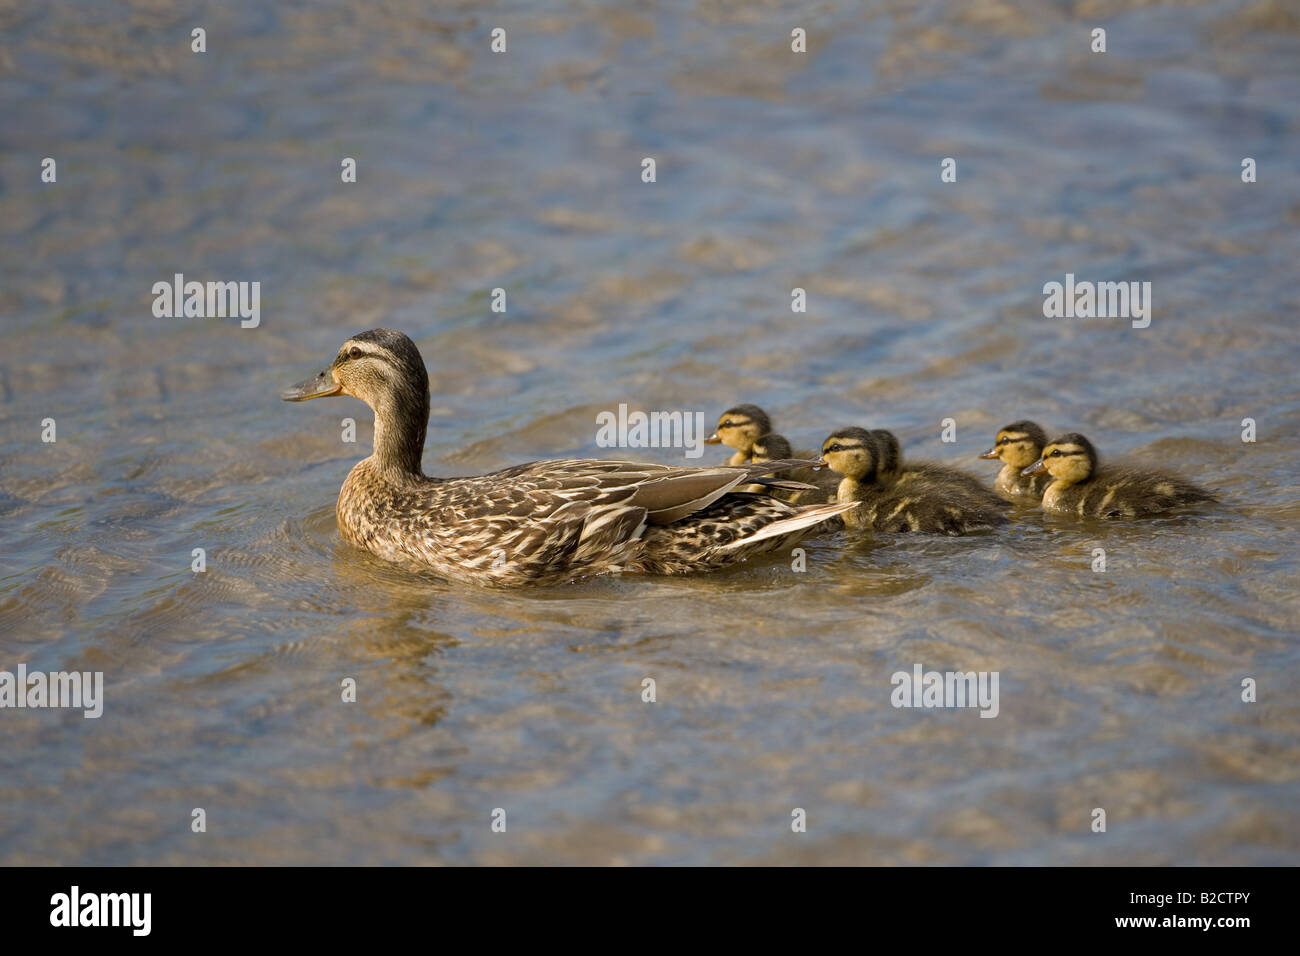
(1019, 445)
(1079, 486)
(545, 522)
(923, 497)
(738, 428)
(822, 482)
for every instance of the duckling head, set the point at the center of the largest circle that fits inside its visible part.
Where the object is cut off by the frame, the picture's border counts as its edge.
(1070, 459)
(853, 452)
(384, 369)
(740, 427)
(771, 447)
(1019, 444)
(889, 452)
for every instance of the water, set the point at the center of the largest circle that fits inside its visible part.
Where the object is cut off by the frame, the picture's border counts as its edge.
(1118, 690)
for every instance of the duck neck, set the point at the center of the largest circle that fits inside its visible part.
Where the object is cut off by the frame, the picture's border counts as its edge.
(850, 489)
(400, 422)
(854, 487)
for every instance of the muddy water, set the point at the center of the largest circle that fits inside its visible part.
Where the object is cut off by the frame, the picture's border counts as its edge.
(1119, 690)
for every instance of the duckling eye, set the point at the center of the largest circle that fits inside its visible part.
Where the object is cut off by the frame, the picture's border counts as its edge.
(1056, 454)
(727, 424)
(836, 447)
(355, 352)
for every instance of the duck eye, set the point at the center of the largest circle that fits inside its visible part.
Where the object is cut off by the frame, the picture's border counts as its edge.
(1056, 453)
(727, 424)
(355, 352)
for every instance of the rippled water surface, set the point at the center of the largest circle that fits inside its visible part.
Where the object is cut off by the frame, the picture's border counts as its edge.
(1119, 690)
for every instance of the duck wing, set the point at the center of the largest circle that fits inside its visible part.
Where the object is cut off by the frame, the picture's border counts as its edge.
(668, 493)
(551, 520)
(736, 527)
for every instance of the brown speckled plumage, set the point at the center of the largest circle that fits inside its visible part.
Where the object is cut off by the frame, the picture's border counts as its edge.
(546, 521)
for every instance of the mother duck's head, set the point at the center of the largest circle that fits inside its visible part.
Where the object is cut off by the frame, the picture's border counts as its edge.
(384, 369)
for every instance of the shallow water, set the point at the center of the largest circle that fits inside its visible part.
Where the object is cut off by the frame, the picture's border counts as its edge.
(1118, 690)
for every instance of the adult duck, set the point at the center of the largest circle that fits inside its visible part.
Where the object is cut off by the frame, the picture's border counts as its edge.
(546, 521)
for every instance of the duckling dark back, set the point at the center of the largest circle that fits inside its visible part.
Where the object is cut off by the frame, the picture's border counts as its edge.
(950, 502)
(928, 508)
(943, 482)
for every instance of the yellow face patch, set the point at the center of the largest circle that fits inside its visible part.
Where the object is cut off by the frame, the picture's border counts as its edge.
(737, 432)
(1067, 462)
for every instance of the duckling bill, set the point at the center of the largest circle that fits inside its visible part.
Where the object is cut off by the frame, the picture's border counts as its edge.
(542, 522)
(1081, 487)
(890, 495)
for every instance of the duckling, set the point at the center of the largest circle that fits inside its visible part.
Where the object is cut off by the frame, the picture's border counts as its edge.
(1019, 445)
(926, 498)
(1080, 487)
(739, 427)
(774, 447)
(544, 522)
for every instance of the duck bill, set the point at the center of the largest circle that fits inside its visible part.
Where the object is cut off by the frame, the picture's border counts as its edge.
(819, 463)
(318, 387)
(713, 439)
(991, 453)
(1037, 468)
